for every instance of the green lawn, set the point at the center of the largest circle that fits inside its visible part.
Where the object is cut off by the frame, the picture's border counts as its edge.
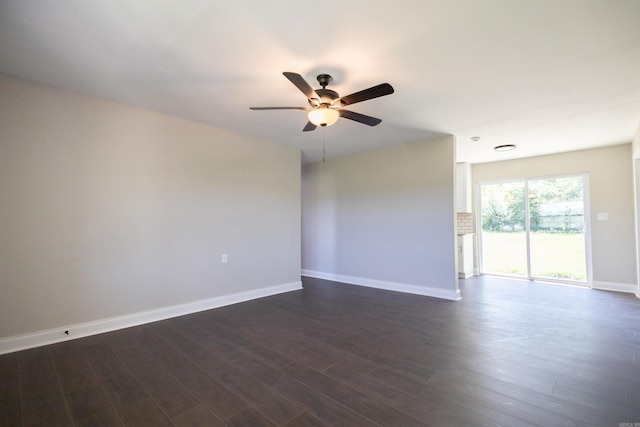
(554, 255)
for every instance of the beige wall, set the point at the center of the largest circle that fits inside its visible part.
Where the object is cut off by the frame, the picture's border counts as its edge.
(109, 210)
(384, 218)
(611, 191)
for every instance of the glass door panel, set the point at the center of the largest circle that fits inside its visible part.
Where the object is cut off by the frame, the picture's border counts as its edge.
(557, 228)
(504, 246)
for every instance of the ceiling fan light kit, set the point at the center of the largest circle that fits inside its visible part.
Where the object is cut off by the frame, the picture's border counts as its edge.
(326, 105)
(323, 116)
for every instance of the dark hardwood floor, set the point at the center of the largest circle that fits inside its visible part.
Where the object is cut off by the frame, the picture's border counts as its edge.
(511, 353)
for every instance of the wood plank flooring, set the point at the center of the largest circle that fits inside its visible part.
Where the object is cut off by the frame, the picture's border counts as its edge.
(511, 353)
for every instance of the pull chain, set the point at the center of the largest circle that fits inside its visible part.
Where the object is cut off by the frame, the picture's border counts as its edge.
(323, 143)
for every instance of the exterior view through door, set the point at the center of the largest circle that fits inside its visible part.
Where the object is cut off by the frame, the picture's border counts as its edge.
(536, 228)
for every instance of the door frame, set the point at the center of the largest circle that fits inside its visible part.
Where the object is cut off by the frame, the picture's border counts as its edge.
(587, 227)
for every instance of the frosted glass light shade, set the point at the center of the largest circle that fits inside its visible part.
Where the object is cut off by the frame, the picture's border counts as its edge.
(323, 116)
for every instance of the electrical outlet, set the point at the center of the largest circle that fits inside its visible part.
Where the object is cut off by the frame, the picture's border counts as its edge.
(223, 258)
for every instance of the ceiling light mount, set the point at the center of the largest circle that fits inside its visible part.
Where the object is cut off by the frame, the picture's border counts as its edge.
(475, 138)
(505, 147)
(324, 80)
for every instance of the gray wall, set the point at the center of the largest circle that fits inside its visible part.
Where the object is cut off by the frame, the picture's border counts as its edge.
(611, 191)
(635, 147)
(109, 210)
(384, 218)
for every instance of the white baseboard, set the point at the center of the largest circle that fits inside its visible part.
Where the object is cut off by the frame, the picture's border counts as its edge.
(390, 286)
(616, 287)
(51, 336)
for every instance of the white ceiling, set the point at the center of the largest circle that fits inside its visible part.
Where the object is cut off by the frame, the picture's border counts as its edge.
(547, 75)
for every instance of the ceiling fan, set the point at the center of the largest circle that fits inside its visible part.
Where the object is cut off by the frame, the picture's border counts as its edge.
(325, 105)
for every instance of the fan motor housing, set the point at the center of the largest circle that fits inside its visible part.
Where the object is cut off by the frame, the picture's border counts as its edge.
(327, 96)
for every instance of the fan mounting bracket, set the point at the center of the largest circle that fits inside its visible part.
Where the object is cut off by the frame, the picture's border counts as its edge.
(324, 80)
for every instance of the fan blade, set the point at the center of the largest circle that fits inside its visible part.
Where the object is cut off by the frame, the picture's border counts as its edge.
(373, 92)
(301, 84)
(367, 120)
(309, 127)
(280, 108)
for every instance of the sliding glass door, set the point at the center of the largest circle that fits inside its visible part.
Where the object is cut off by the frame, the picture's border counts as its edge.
(535, 228)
